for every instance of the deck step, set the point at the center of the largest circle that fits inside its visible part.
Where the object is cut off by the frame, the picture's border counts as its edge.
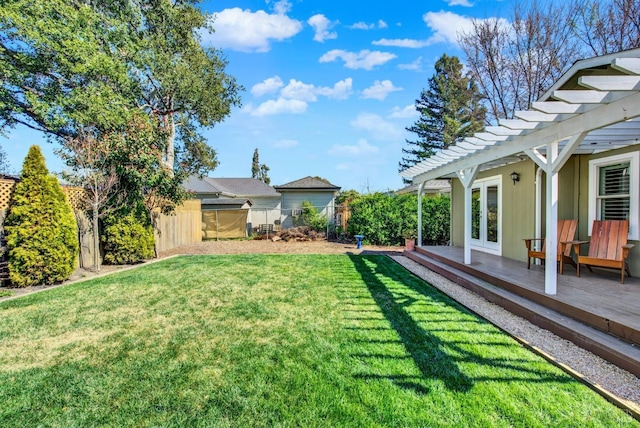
(608, 347)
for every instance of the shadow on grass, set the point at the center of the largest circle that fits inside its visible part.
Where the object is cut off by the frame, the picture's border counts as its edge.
(435, 358)
(425, 349)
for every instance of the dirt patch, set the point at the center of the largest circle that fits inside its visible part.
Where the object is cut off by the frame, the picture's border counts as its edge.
(264, 246)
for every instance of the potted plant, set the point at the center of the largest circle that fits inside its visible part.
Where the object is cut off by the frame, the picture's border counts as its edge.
(409, 239)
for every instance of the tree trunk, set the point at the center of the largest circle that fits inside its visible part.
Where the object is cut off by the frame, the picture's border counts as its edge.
(96, 239)
(171, 137)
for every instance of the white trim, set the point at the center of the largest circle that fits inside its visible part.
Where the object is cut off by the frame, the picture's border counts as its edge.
(634, 171)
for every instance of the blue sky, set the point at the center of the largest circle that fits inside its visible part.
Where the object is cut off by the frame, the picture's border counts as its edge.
(329, 86)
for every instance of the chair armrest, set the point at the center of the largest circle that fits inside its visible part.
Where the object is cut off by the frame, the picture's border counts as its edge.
(527, 242)
(625, 250)
(576, 245)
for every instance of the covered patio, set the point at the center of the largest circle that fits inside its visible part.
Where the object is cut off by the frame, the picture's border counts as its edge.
(593, 108)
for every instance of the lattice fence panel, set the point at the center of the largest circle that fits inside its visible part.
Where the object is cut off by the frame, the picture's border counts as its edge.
(6, 190)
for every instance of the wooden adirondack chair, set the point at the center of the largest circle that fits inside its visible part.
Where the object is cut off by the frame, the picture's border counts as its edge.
(566, 233)
(608, 247)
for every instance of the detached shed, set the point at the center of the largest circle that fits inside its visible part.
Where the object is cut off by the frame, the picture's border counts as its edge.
(321, 193)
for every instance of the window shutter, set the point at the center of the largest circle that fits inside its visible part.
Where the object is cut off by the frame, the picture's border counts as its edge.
(613, 192)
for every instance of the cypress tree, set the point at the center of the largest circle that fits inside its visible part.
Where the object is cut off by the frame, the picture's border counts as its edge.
(40, 228)
(450, 110)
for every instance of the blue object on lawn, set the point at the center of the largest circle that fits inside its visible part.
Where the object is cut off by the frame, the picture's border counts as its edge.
(359, 238)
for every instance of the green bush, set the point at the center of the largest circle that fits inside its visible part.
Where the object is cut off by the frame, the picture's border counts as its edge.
(311, 217)
(41, 230)
(127, 239)
(387, 219)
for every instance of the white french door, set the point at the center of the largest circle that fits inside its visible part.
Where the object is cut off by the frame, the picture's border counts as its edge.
(486, 215)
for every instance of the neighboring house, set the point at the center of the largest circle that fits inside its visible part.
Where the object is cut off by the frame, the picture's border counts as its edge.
(574, 155)
(260, 201)
(319, 192)
(431, 187)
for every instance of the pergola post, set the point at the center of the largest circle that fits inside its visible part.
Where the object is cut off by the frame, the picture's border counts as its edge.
(550, 269)
(467, 176)
(551, 164)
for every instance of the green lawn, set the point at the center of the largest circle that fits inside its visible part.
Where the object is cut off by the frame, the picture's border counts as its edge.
(273, 340)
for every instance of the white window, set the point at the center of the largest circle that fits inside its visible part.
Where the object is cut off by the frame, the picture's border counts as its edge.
(613, 190)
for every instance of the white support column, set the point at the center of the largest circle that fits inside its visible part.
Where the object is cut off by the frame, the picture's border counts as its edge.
(420, 189)
(550, 268)
(467, 177)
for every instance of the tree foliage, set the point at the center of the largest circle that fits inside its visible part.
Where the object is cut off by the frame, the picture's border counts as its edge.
(41, 230)
(259, 171)
(515, 60)
(450, 109)
(78, 69)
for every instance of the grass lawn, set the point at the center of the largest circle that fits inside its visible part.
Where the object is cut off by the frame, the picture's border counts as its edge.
(273, 340)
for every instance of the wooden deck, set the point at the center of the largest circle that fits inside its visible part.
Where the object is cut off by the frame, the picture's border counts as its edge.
(597, 299)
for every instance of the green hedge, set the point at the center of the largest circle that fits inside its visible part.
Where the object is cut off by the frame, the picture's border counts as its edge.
(387, 219)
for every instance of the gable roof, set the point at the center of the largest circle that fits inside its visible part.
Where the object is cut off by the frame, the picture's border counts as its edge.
(308, 183)
(230, 187)
(593, 107)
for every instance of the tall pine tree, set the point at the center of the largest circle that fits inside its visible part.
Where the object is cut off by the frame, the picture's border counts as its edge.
(450, 110)
(259, 170)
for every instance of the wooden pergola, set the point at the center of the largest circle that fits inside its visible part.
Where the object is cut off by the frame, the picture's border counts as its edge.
(600, 111)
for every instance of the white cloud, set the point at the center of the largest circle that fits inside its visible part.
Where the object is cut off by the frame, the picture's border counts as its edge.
(267, 86)
(465, 3)
(279, 106)
(446, 26)
(407, 112)
(379, 128)
(282, 7)
(285, 144)
(296, 90)
(402, 43)
(364, 26)
(364, 59)
(379, 90)
(413, 66)
(361, 26)
(248, 31)
(340, 91)
(321, 25)
(361, 148)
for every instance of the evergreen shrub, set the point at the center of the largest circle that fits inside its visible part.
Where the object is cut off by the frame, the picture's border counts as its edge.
(41, 230)
(127, 238)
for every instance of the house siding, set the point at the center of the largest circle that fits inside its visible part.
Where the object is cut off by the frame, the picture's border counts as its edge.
(264, 211)
(518, 208)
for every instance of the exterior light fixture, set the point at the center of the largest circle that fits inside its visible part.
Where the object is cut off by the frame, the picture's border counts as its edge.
(515, 177)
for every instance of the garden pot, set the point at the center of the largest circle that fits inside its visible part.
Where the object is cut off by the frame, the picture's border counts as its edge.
(409, 244)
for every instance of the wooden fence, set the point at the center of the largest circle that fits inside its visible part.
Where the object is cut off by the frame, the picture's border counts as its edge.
(181, 228)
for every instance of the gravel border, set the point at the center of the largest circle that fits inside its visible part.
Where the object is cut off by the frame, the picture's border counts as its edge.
(616, 384)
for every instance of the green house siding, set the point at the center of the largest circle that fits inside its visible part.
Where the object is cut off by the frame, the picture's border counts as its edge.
(518, 208)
